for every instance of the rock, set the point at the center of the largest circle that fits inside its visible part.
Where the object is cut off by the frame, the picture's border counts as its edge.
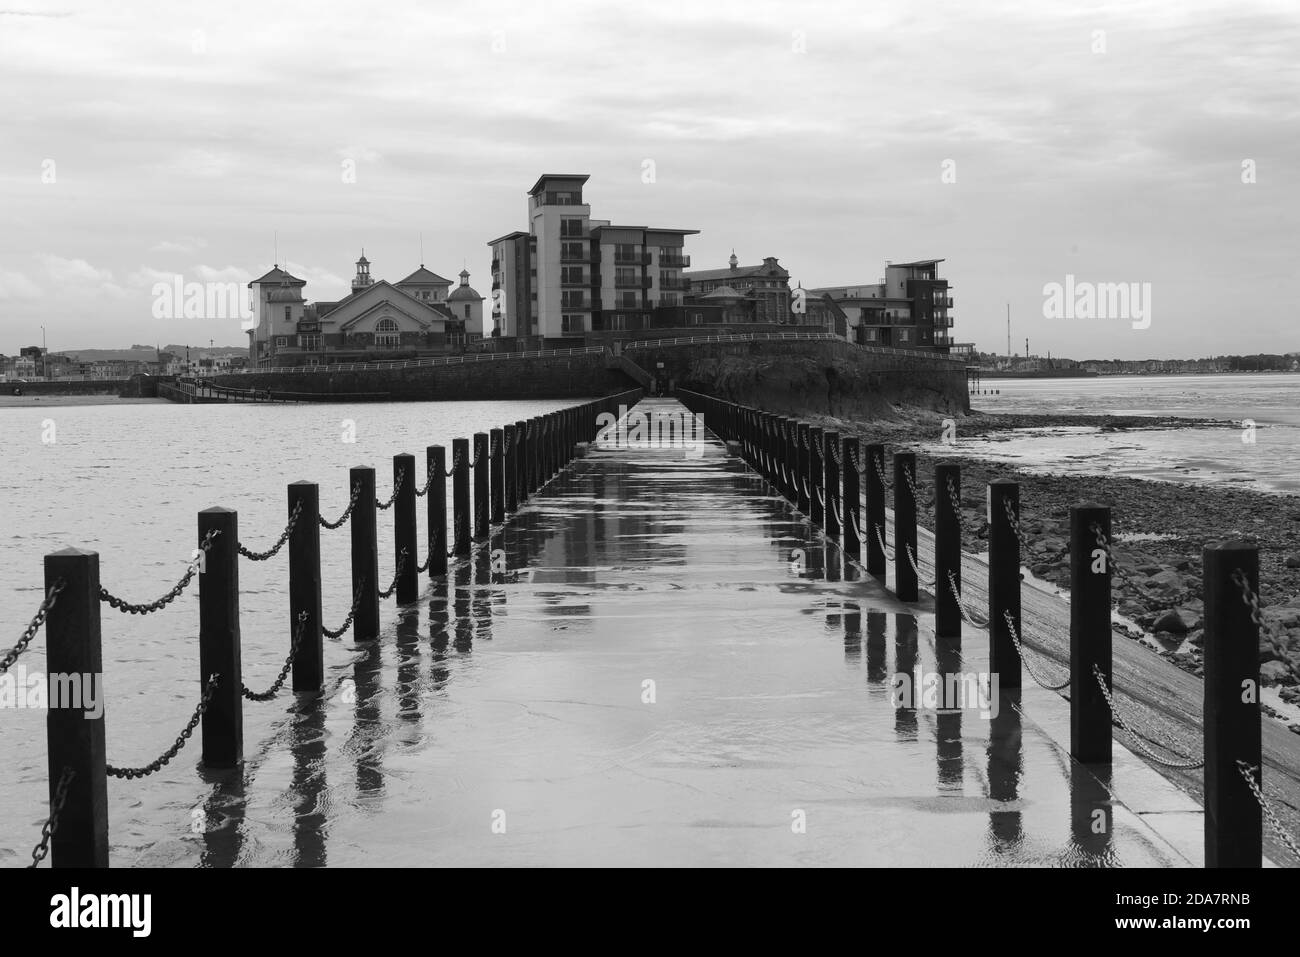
(1131, 609)
(1196, 638)
(1274, 672)
(1295, 728)
(1054, 544)
(1041, 569)
(1290, 695)
(1151, 569)
(1173, 620)
(1292, 561)
(1167, 582)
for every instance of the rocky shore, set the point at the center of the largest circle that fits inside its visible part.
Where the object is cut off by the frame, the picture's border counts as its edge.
(1159, 529)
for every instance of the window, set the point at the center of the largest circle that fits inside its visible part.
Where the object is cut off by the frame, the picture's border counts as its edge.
(572, 299)
(281, 342)
(697, 318)
(872, 334)
(571, 324)
(617, 321)
(466, 310)
(571, 228)
(626, 300)
(288, 313)
(668, 299)
(904, 335)
(309, 342)
(387, 334)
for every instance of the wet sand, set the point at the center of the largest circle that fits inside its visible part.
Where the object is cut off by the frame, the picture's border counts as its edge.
(45, 401)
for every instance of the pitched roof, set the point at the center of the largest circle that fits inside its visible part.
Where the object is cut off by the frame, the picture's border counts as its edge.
(278, 275)
(723, 292)
(740, 272)
(424, 276)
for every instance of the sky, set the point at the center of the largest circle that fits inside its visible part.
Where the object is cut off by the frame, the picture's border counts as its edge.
(1147, 143)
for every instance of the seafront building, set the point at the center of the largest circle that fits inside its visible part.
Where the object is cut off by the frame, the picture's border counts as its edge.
(418, 315)
(910, 307)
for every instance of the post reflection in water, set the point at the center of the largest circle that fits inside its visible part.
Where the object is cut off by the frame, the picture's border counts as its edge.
(877, 652)
(407, 641)
(905, 664)
(221, 818)
(1092, 817)
(852, 633)
(1005, 766)
(307, 748)
(367, 721)
(461, 576)
(953, 696)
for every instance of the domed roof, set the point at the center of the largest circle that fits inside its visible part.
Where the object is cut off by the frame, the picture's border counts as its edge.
(284, 294)
(464, 292)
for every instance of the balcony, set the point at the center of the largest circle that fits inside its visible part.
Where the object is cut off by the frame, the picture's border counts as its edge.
(633, 282)
(496, 264)
(668, 261)
(943, 322)
(575, 303)
(631, 259)
(675, 284)
(575, 281)
(575, 232)
(580, 256)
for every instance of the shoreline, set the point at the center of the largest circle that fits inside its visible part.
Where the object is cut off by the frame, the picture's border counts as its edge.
(1159, 527)
(47, 401)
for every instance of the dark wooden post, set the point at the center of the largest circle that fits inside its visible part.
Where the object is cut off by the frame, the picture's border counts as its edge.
(1090, 636)
(801, 467)
(304, 586)
(74, 739)
(523, 451)
(831, 482)
(460, 495)
(905, 583)
(436, 506)
(873, 457)
(509, 470)
(1004, 582)
(365, 556)
(1233, 824)
(497, 467)
(849, 453)
(482, 484)
(222, 726)
(947, 551)
(405, 534)
(816, 479)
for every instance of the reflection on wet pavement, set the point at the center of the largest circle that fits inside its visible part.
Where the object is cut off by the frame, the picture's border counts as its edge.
(659, 662)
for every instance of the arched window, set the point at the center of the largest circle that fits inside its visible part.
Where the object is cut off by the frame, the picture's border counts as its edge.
(387, 333)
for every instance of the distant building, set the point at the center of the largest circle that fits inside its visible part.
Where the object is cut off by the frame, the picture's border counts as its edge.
(910, 307)
(569, 274)
(765, 288)
(416, 316)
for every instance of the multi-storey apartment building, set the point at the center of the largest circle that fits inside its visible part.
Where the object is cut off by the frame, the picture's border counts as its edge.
(570, 274)
(908, 308)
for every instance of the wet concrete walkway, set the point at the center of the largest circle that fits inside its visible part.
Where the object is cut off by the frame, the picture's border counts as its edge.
(635, 672)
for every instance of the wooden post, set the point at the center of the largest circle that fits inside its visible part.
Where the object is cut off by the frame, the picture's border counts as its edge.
(801, 467)
(482, 484)
(222, 728)
(816, 479)
(873, 458)
(304, 586)
(523, 451)
(905, 582)
(405, 535)
(1090, 635)
(947, 551)
(831, 482)
(74, 739)
(1233, 824)
(852, 499)
(1004, 582)
(509, 470)
(460, 496)
(365, 556)
(436, 506)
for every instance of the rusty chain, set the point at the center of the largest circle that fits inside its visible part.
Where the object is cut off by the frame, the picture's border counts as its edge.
(336, 633)
(879, 462)
(284, 672)
(455, 463)
(284, 537)
(1248, 772)
(401, 563)
(911, 558)
(428, 482)
(911, 482)
(885, 549)
(955, 499)
(969, 615)
(1187, 764)
(347, 513)
(52, 822)
(1024, 659)
(1248, 597)
(397, 487)
(171, 596)
(181, 738)
(33, 626)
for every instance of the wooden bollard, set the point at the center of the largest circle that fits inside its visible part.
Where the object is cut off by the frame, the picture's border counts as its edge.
(405, 529)
(831, 482)
(436, 507)
(905, 579)
(812, 475)
(1233, 820)
(222, 728)
(852, 498)
(801, 467)
(304, 586)
(460, 496)
(1090, 635)
(74, 739)
(873, 458)
(365, 556)
(522, 489)
(482, 485)
(947, 551)
(509, 468)
(1004, 582)
(497, 468)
